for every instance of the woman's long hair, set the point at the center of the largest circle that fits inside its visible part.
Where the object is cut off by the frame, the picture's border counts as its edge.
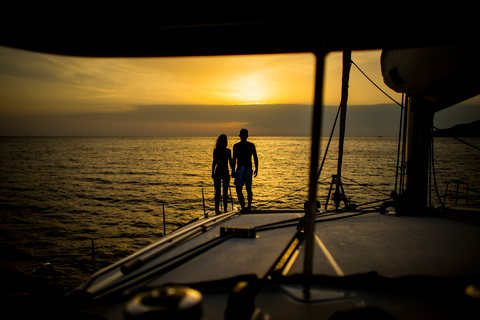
(222, 142)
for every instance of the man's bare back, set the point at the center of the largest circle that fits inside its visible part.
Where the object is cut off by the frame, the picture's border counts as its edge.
(243, 152)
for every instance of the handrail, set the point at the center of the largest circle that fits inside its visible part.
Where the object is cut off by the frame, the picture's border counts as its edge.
(163, 266)
(179, 235)
(456, 197)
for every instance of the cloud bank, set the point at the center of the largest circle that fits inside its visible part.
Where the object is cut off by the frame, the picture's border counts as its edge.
(212, 120)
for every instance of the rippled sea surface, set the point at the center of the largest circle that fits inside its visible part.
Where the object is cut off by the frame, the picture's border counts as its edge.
(61, 195)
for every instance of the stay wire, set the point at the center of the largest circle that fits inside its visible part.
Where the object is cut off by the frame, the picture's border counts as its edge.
(319, 169)
(400, 129)
(285, 195)
(433, 173)
(460, 140)
(331, 135)
(336, 119)
(361, 185)
(328, 144)
(404, 151)
(377, 85)
(399, 145)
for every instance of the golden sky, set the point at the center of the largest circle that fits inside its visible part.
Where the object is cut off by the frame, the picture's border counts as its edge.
(48, 83)
(50, 87)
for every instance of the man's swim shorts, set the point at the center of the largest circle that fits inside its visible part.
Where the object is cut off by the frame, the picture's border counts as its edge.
(243, 176)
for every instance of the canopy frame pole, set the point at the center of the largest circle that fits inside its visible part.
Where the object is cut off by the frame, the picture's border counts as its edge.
(314, 159)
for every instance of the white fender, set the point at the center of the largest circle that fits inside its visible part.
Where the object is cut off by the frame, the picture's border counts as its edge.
(431, 71)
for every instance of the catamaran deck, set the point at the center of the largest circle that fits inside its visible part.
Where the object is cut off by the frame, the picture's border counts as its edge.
(393, 246)
(346, 244)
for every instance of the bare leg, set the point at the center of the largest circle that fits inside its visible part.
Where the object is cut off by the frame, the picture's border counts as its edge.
(225, 196)
(241, 199)
(249, 197)
(217, 195)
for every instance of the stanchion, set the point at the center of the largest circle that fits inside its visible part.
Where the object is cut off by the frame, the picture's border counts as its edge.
(204, 209)
(93, 256)
(164, 226)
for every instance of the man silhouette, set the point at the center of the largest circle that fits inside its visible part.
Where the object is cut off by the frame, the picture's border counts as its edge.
(242, 159)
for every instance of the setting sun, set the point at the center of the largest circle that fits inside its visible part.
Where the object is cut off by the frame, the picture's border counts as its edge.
(247, 80)
(250, 89)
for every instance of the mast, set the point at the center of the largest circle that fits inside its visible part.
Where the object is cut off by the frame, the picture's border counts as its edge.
(419, 124)
(339, 193)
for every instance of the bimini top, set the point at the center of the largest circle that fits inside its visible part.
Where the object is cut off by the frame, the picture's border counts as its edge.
(180, 30)
(174, 30)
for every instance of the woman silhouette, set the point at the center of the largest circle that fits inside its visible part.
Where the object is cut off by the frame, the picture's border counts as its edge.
(222, 156)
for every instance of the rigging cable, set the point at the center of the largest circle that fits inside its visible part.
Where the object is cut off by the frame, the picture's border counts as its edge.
(333, 129)
(377, 85)
(433, 174)
(328, 144)
(432, 163)
(404, 150)
(464, 142)
(399, 164)
(331, 135)
(336, 119)
(367, 187)
(319, 169)
(401, 146)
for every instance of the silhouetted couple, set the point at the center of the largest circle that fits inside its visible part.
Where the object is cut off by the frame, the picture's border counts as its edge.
(243, 152)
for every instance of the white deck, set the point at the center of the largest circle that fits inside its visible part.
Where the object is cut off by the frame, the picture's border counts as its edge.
(393, 246)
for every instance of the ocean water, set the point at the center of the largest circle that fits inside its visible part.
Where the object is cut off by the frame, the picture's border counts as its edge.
(61, 196)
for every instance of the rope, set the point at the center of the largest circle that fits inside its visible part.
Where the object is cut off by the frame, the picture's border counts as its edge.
(372, 202)
(377, 85)
(328, 144)
(286, 195)
(283, 196)
(381, 192)
(468, 144)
